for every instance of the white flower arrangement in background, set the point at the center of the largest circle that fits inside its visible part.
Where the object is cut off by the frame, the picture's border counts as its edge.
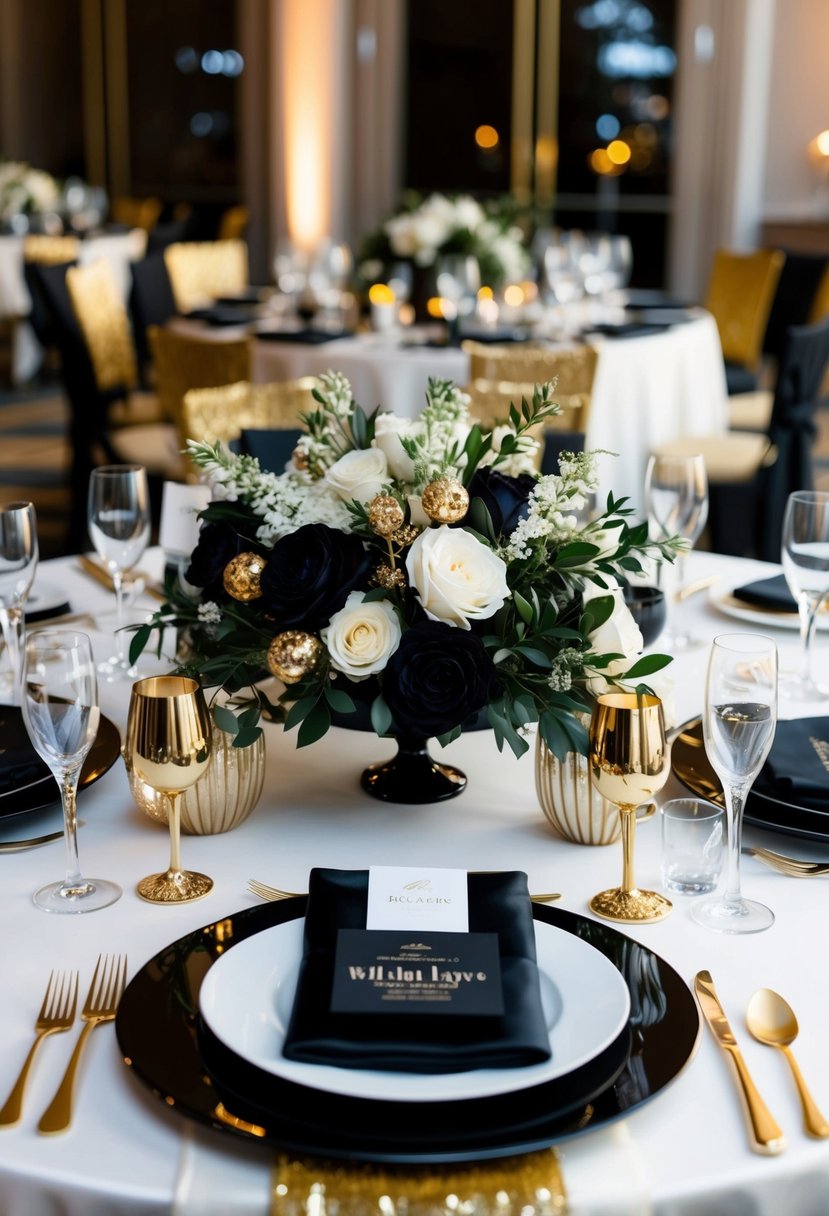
(25, 191)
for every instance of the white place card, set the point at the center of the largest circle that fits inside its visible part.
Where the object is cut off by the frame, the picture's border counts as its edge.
(417, 897)
(180, 505)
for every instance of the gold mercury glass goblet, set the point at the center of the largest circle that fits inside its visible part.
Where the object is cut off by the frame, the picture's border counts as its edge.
(629, 761)
(168, 746)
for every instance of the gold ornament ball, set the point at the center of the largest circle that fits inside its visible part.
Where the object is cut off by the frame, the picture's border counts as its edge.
(385, 514)
(445, 501)
(293, 655)
(242, 576)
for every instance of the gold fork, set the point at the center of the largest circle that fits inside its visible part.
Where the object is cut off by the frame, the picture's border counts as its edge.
(108, 983)
(793, 867)
(273, 893)
(57, 1013)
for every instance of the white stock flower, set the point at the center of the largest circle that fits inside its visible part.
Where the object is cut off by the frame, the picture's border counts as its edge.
(359, 474)
(456, 576)
(361, 637)
(388, 430)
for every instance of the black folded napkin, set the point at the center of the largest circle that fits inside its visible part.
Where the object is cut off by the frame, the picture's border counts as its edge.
(797, 768)
(628, 329)
(654, 299)
(767, 593)
(251, 295)
(313, 337)
(20, 764)
(431, 1043)
(498, 336)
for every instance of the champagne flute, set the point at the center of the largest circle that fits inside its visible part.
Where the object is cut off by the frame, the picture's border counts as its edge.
(18, 563)
(168, 746)
(805, 557)
(738, 727)
(629, 762)
(60, 710)
(119, 526)
(676, 501)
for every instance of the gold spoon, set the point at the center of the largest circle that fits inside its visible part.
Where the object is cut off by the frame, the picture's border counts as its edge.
(772, 1021)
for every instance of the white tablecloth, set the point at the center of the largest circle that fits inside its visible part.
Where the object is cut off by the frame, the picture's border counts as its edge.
(683, 1154)
(647, 390)
(15, 302)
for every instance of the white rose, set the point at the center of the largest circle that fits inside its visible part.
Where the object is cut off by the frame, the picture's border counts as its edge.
(468, 213)
(388, 430)
(618, 635)
(361, 637)
(360, 474)
(456, 576)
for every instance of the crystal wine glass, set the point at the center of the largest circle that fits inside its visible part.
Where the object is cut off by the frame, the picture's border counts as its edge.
(676, 501)
(119, 526)
(60, 710)
(458, 278)
(168, 746)
(629, 762)
(738, 727)
(18, 563)
(805, 557)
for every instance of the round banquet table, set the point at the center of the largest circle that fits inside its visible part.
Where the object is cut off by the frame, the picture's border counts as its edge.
(683, 1153)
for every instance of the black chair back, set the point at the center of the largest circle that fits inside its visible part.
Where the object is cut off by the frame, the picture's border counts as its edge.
(796, 289)
(272, 448)
(556, 442)
(151, 300)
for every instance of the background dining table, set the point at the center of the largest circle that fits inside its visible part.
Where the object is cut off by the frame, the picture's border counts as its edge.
(682, 1153)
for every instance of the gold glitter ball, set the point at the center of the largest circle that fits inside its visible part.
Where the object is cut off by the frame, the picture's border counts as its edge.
(405, 536)
(293, 655)
(242, 576)
(385, 514)
(445, 501)
(388, 578)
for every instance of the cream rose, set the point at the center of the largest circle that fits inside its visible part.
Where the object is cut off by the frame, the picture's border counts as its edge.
(360, 474)
(388, 431)
(456, 576)
(361, 637)
(618, 635)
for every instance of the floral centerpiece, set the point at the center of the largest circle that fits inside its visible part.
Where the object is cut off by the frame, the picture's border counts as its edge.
(418, 569)
(426, 229)
(25, 191)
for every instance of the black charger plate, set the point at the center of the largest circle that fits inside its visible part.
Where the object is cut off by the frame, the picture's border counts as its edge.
(162, 1039)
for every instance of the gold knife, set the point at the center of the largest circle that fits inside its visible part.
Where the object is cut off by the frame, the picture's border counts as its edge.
(103, 577)
(765, 1135)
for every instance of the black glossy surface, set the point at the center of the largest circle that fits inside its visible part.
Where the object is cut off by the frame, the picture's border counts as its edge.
(412, 776)
(26, 784)
(648, 609)
(160, 1035)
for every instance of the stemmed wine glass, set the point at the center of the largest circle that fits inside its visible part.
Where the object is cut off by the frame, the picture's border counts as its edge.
(738, 727)
(119, 526)
(168, 746)
(60, 710)
(805, 557)
(676, 501)
(458, 279)
(18, 563)
(629, 762)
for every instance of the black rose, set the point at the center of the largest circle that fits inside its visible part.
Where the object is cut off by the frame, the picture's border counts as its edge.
(504, 497)
(437, 678)
(217, 544)
(310, 574)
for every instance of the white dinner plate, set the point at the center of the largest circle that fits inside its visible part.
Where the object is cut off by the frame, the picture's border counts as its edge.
(247, 996)
(726, 603)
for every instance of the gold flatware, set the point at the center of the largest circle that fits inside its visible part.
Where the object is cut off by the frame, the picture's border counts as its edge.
(57, 1013)
(102, 576)
(101, 1005)
(772, 1021)
(790, 866)
(764, 1134)
(700, 584)
(273, 893)
(34, 842)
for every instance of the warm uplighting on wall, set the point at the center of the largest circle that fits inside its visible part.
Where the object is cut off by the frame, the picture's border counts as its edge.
(819, 149)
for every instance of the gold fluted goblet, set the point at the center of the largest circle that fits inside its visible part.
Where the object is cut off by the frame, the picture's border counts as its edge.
(629, 762)
(168, 745)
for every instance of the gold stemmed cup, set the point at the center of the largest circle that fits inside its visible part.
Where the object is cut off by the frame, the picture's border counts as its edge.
(168, 746)
(629, 761)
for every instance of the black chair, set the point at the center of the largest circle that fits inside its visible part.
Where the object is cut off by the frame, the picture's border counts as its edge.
(556, 442)
(151, 303)
(272, 448)
(793, 299)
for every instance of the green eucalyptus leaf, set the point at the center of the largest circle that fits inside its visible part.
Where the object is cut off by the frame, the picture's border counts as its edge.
(314, 726)
(225, 719)
(380, 716)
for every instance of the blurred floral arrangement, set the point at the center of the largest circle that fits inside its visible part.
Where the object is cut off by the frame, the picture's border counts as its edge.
(25, 191)
(419, 567)
(426, 229)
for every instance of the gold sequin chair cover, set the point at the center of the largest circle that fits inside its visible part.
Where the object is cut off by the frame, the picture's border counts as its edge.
(50, 250)
(104, 323)
(200, 271)
(233, 223)
(211, 414)
(136, 212)
(740, 294)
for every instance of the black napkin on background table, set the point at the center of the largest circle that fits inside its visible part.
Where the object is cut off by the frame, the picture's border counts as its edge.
(313, 337)
(628, 329)
(767, 593)
(797, 768)
(641, 298)
(498, 903)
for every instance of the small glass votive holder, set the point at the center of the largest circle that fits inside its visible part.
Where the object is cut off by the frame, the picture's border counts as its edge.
(693, 845)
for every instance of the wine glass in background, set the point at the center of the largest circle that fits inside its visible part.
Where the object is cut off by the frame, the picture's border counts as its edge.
(562, 280)
(676, 502)
(629, 762)
(290, 268)
(18, 563)
(619, 264)
(458, 281)
(401, 281)
(119, 527)
(328, 278)
(60, 710)
(805, 557)
(168, 745)
(738, 724)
